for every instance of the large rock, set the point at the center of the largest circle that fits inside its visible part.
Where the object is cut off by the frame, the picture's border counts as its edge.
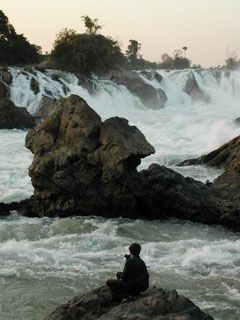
(12, 117)
(152, 98)
(152, 75)
(227, 156)
(5, 76)
(156, 304)
(3, 90)
(227, 185)
(83, 165)
(46, 108)
(192, 88)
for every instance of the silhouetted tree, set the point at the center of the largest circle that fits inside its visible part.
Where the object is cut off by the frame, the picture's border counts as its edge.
(133, 51)
(86, 53)
(92, 26)
(15, 48)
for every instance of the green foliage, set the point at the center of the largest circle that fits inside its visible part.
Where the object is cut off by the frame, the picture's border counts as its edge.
(177, 61)
(133, 51)
(15, 48)
(91, 25)
(86, 53)
(232, 61)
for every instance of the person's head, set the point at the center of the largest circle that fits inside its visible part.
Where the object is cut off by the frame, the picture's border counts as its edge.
(135, 249)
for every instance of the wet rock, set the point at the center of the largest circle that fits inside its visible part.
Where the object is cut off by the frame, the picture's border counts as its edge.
(164, 193)
(5, 76)
(84, 166)
(155, 304)
(152, 98)
(34, 85)
(46, 108)
(3, 90)
(12, 117)
(237, 121)
(192, 88)
(152, 75)
(227, 156)
(227, 185)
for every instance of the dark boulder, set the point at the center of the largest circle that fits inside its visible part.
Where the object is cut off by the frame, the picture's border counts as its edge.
(46, 108)
(152, 75)
(4, 92)
(164, 193)
(192, 88)
(5, 76)
(227, 156)
(12, 117)
(151, 98)
(157, 304)
(34, 85)
(237, 121)
(84, 166)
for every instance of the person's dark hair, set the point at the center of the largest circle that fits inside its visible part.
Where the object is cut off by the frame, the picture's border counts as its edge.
(135, 249)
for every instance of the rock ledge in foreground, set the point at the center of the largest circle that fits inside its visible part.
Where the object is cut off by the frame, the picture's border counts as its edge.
(157, 304)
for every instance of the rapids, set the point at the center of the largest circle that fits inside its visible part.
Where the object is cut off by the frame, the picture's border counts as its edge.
(44, 262)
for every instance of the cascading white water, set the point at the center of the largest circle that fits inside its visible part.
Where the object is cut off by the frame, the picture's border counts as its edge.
(179, 131)
(43, 262)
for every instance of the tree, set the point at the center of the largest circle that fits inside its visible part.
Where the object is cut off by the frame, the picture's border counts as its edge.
(15, 48)
(133, 51)
(92, 26)
(177, 61)
(232, 61)
(86, 53)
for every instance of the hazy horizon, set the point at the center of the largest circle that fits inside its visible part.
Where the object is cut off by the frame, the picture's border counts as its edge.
(207, 27)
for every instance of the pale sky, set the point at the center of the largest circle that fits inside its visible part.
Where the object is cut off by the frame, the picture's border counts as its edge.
(206, 27)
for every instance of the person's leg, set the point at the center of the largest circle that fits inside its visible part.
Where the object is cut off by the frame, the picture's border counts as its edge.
(117, 289)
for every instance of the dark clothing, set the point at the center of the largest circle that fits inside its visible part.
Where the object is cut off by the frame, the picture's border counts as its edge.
(135, 275)
(133, 280)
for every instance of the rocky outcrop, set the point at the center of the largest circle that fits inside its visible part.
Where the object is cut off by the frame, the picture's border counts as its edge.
(46, 108)
(152, 98)
(157, 304)
(152, 75)
(192, 88)
(227, 185)
(83, 165)
(12, 117)
(5, 76)
(226, 157)
(3, 90)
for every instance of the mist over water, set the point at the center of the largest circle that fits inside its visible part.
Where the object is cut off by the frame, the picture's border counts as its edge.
(44, 262)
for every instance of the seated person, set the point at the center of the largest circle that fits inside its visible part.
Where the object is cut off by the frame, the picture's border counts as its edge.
(134, 278)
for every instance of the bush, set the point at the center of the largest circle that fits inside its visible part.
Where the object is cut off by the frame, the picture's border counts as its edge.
(15, 48)
(86, 53)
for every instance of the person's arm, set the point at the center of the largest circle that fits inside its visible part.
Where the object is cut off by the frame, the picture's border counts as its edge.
(126, 269)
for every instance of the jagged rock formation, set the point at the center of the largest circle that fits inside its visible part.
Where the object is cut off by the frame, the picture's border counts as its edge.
(192, 88)
(227, 156)
(151, 75)
(226, 185)
(46, 108)
(152, 98)
(83, 166)
(5, 76)
(155, 304)
(12, 117)
(3, 90)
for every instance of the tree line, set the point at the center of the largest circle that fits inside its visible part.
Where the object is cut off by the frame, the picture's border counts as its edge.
(15, 48)
(88, 52)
